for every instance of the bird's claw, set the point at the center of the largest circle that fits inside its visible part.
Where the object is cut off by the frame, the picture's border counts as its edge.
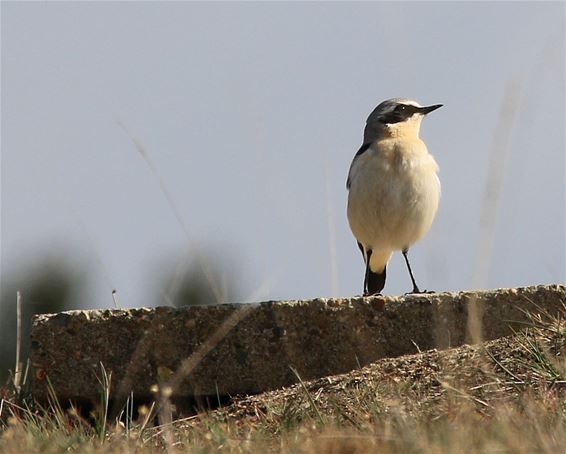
(420, 292)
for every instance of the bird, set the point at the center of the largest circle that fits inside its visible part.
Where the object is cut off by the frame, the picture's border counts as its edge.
(393, 188)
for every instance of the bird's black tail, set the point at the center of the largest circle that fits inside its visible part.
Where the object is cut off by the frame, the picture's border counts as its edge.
(375, 281)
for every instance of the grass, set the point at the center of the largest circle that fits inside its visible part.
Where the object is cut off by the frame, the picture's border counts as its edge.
(505, 395)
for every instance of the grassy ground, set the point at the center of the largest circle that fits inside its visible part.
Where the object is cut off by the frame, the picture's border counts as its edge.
(506, 395)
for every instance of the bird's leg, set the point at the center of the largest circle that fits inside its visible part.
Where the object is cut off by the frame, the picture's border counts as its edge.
(415, 287)
(366, 278)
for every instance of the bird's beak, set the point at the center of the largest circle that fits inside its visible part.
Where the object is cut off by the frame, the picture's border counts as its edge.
(429, 109)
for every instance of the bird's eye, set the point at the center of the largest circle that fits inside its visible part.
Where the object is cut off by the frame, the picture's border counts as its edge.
(401, 108)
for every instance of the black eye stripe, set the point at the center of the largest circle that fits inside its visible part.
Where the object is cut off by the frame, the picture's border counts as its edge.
(401, 113)
(407, 108)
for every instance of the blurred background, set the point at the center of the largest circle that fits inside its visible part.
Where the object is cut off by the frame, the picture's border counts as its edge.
(194, 153)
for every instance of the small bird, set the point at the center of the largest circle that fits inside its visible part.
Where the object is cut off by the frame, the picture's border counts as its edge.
(393, 187)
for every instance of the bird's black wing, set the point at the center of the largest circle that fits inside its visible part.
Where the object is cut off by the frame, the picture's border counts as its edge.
(362, 149)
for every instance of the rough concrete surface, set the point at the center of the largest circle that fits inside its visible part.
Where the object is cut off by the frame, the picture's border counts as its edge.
(249, 348)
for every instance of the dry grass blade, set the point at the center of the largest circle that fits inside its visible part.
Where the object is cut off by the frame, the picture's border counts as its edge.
(505, 369)
(18, 368)
(463, 394)
(334, 281)
(489, 211)
(115, 299)
(309, 396)
(188, 365)
(201, 261)
(105, 382)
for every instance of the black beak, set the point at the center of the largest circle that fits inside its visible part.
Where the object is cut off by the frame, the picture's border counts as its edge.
(429, 109)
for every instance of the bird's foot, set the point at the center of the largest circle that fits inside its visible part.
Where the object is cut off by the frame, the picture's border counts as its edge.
(416, 291)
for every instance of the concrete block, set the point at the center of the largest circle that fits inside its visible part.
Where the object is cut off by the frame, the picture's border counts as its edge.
(249, 348)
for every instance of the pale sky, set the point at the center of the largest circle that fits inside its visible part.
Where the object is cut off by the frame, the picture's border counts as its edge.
(251, 114)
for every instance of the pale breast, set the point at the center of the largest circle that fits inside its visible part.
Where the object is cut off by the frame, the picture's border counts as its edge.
(394, 194)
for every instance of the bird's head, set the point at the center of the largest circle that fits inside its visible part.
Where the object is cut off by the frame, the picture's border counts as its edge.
(396, 117)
